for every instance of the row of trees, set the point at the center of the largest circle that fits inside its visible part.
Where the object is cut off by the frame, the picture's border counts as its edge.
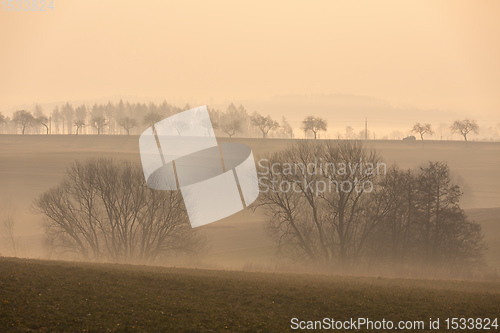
(409, 218)
(127, 118)
(236, 120)
(120, 118)
(462, 127)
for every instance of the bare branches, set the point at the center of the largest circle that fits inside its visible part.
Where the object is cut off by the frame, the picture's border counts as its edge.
(464, 127)
(9, 216)
(98, 122)
(322, 212)
(103, 211)
(24, 119)
(422, 129)
(127, 123)
(79, 124)
(264, 124)
(314, 124)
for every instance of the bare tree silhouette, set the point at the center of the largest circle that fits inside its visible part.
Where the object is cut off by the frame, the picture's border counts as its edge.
(24, 119)
(99, 122)
(264, 124)
(103, 211)
(422, 129)
(408, 217)
(314, 124)
(464, 127)
(127, 123)
(79, 124)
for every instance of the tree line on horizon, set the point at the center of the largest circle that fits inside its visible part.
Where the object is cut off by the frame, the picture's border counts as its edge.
(133, 118)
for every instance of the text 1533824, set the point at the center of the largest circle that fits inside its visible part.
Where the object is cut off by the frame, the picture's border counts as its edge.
(27, 5)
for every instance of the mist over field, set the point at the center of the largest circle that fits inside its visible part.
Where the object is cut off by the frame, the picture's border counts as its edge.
(33, 164)
(249, 166)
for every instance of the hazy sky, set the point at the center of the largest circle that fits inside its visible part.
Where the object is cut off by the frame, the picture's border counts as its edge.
(425, 54)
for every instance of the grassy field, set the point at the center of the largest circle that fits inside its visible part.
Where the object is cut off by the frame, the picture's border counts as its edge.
(49, 296)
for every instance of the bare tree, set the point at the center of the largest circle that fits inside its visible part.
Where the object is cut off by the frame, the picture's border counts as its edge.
(7, 228)
(44, 121)
(103, 211)
(152, 118)
(99, 123)
(321, 216)
(24, 119)
(230, 123)
(464, 127)
(180, 126)
(57, 120)
(320, 210)
(68, 114)
(3, 120)
(8, 215)
(285, 131)
(79, 124)
(209, 125)
(264, 124)
(422, 129)
(349, 133)
(40, 118)
(127, 123)
(81, 113)
(314, 124)
(426, 224)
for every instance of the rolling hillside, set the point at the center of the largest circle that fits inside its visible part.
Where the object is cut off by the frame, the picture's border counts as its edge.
(31, 164)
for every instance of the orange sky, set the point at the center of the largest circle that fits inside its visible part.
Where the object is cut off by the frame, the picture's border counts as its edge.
(425, 54)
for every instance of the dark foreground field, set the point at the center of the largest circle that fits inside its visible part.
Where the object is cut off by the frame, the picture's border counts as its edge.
(56, 296)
